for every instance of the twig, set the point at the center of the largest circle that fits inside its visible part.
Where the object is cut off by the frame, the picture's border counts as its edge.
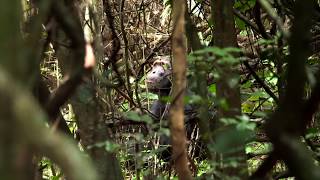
(260, 81)
(251, 24)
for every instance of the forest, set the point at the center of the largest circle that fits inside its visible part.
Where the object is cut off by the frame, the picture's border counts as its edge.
(159, 89)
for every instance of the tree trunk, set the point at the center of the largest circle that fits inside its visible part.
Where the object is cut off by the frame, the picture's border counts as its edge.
(89, 116)
(178, 136)
(225, 36)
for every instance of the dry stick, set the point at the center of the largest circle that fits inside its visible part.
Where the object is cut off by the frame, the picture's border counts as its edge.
(178, 138)
(115, 47)
(126, 54)
(115, 41)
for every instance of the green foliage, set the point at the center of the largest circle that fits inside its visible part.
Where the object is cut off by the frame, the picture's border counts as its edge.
(193, 99)
(220, 55)
(312, 133)
(107, 145)
(230, 141)
(209, 60)
(149, 95)
(240, 24)
(140, 143)
(258, 148)
(212, 89)
(135, 116)
(239, 131)
(244, 5)
(50, 170)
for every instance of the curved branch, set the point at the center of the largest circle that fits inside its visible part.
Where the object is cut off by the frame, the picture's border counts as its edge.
(261, 82)
(73, 29)
(27, 117)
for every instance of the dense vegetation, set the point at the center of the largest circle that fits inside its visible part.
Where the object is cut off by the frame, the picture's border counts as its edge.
(243, 89)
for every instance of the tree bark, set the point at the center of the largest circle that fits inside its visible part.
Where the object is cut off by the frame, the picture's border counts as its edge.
(22, 128)
(289, 121)
(88, 112)
(176, 112)
(225, 36)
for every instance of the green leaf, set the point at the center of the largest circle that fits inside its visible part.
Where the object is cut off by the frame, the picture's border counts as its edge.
(240, 24)
(230, 140)
(223, 104)
(108, 146)
(165, 131)
(212, 88)
(217, 51)
(232, 49)
(134, 116)
(255, 96)
(312, 133)
(166, 99)
(193, 99)
(243, 7)
(228, 121)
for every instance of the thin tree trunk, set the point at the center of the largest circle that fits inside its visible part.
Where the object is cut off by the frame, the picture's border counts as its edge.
(89, 116)
(179, 85)
(225, 36)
